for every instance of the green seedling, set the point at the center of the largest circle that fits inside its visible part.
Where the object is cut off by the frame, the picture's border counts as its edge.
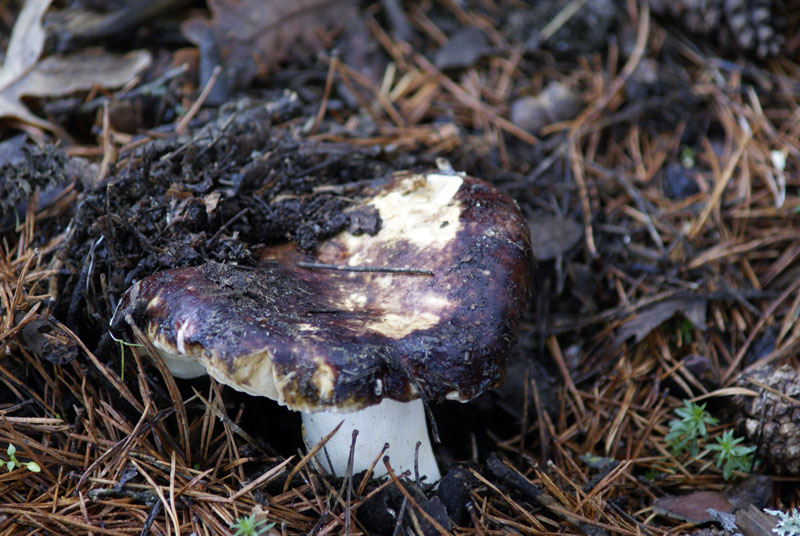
(731, 455)
(250, 526)
(122, 345)
(686, 332)
(687, 157)
(12, 462)
(693, 425)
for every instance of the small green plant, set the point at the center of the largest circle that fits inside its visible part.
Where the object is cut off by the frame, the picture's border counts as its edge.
(12, 462)
(250, 526)
(122, 345)
(687, 157)
(693, 425)
(789, 524)
(686, 330)
(731, 455)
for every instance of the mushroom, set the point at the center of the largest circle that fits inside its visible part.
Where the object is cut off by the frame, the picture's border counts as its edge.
(368, 327)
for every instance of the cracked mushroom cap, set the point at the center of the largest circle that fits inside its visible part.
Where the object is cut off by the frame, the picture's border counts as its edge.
(316, 338)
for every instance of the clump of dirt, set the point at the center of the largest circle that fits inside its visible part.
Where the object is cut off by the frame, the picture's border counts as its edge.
(219, 195)
(26, 167)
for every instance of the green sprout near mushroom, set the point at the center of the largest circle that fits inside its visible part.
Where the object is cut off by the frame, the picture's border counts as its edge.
(692, 426)
(13, 462)
(250, 526)
(731, 456)
(691, 429)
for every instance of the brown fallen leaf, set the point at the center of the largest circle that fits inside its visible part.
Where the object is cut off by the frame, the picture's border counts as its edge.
(553, 236)
(23, 74)
(24, 48)
(57, 76)
(251, 36)
(693, 507)
(693, 308)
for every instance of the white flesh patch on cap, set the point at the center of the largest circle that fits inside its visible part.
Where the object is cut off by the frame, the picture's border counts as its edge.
(399, 325)
(421, 212)
(355, 300)
(415, 212)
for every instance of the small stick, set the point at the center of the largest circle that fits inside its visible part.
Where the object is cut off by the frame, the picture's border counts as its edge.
(429, 518)
(368, 473)
(379, 269)
(325, 96)
(399, 523)
(311, 453)
(349, 484)
(560, 19)
(184, 122)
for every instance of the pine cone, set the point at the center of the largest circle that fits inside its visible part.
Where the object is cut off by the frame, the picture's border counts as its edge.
(744, 25)
(770, 420)
(753, 26)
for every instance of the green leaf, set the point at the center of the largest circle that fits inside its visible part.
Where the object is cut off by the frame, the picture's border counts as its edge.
(731, 455)
(692, 425)
(11, 450)
(250, 526)
(33, 467)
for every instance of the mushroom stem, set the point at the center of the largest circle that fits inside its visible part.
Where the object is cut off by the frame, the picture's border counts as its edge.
(401, 424)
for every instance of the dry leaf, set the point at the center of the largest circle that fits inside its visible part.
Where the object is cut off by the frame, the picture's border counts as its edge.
(23, 75)
(56, 76)
(24, 48)
(553, 236)
(253, 35)
(645, 321)
(693, 507)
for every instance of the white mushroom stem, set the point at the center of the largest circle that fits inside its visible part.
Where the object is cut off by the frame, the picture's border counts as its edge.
(401, 424)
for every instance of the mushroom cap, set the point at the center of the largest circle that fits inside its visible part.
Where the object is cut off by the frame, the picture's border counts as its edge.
(321, 339)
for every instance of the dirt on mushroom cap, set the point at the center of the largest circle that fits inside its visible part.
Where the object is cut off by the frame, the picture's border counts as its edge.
(320, 339)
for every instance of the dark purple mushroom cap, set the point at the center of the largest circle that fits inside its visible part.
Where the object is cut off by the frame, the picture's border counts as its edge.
(320, 339)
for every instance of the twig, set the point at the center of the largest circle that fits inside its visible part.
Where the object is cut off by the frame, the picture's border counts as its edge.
(642, 31)
(184, 122)
(325, 96)
(378, 269)
(311, 453)
(560, 19)
(429, 518)
(122, 446)
(473, 103)
(722, 182)
(265, 477)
